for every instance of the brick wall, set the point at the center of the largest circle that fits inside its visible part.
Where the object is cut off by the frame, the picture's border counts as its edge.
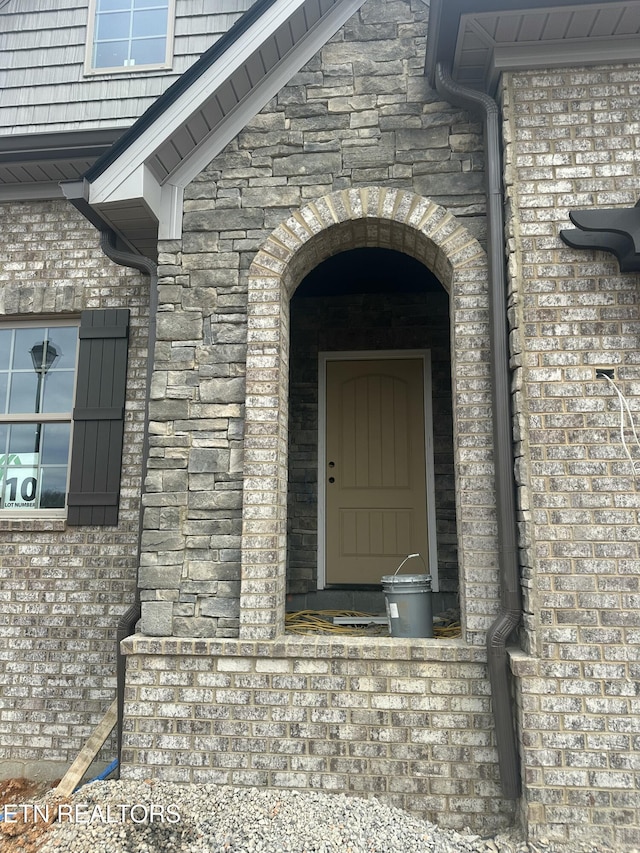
(572, 143)
(400, 720)
(64, 589)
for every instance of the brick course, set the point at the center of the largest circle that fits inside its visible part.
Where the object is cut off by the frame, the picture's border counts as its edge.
(406, 721)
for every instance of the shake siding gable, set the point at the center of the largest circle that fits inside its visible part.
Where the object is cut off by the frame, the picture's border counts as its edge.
(43, 47)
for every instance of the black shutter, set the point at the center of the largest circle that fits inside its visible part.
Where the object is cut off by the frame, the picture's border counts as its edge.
(98, 418)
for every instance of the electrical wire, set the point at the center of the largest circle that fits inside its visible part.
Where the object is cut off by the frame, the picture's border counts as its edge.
(320, 622)
(624, 406)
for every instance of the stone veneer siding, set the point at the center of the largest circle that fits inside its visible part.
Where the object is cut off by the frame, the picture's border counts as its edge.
(572, 142)
(360, 113)
(65, 588)
(356, 151)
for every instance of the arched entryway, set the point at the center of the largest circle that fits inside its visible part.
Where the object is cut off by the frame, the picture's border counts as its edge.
(376, 321)
(376, 218)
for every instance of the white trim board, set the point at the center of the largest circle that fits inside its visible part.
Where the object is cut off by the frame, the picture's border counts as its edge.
(121, 180)
(431, 558)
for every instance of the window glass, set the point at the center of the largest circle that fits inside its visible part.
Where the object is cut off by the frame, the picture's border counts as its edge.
(24, 393)
(112, 26)
(28, 341)
(111, 54)
(23, 439)
(113, 5)
(147, 23)
(6, 336)
(65, 341)
(57, 392)
(130, 33)
(37, 381)
(53, 488)
(55, 444)
(4, 384)
(148, 51)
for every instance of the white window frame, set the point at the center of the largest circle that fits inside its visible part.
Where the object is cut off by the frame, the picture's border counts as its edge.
(89, 68)
(43, 418)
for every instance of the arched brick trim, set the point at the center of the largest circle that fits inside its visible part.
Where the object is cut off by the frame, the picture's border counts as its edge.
(376, 217)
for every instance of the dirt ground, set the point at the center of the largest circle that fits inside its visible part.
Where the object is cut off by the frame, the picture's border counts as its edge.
(18, 835)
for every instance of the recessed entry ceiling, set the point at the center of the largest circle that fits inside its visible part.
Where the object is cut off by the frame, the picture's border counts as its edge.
(370, 270)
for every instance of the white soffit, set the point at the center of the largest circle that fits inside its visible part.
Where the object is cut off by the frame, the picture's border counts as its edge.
(214, 109)
(581, 34)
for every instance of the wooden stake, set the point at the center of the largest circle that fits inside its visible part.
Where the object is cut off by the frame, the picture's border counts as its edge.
(88, 752)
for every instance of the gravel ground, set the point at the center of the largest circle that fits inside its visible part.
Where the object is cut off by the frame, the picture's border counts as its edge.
(158, 817)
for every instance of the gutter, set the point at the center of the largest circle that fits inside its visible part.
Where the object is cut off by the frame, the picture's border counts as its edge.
(510, 611)
(76, 192)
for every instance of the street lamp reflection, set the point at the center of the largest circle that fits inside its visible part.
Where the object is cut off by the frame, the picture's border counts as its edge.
(43, 355)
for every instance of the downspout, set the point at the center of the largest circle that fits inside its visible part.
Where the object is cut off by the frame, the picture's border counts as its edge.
(510, 611)
(76, 193)
(127, 622)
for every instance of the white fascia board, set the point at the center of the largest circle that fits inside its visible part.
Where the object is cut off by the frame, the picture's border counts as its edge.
(262, 93)
(114, 183)
(236, 120)
(170, 218)
(139, 183)
(190, 100)
(556, 54)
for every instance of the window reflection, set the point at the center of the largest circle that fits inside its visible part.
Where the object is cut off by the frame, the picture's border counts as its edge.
(55, 444)
(65, 340)
(53, 488)
(24, 438)
(25, 341)
(6, 336)
(37, 380)
(58, 391)
(24, 394)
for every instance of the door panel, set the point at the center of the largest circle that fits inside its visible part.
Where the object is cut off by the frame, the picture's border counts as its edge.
(376, 510)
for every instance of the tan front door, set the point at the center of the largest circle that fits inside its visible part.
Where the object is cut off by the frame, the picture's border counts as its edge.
(376, 509)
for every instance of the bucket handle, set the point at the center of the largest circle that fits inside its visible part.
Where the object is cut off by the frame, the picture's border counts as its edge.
(410, 557)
